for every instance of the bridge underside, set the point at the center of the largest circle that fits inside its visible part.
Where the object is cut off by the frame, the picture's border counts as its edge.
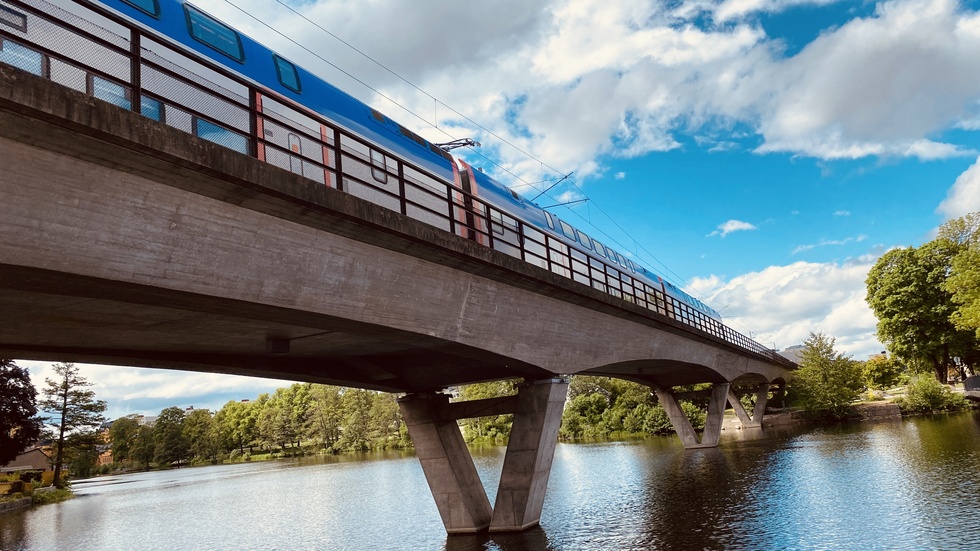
(67, 318)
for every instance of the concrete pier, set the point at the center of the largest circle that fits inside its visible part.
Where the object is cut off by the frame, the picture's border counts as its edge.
(449, 470)
(530, 452)
(682, 426)
(761, 397)
(447, 464)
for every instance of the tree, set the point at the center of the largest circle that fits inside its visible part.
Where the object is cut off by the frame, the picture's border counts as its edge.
(881, 372)
(963, 282)
(19, 424)
(123, 436)
(172, 447)
(906, 293)
(203, 437)
(826, 381)
(237, 424)
(73, 408)
(144, 446)
(492, 427)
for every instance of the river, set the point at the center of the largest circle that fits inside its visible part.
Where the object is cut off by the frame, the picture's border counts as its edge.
(912, 484)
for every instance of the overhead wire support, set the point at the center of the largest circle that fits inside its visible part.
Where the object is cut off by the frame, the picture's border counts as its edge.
(566, 203)
(549, 188)
(462, 142)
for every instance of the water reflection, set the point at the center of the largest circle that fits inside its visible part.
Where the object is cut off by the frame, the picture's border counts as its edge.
(898, 485)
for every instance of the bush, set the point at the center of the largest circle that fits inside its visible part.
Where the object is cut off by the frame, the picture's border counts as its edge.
(925, 394)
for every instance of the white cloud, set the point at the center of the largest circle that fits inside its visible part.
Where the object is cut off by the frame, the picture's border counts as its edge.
(734, 9)
(620, 175)
(842, 213)
(148, 391)
(964, 197)
(829, 242)
(731, 226)
(782, 305)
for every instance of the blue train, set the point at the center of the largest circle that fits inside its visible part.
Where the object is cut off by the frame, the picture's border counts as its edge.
(187, 28)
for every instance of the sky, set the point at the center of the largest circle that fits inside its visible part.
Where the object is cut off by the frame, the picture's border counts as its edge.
(761, 153)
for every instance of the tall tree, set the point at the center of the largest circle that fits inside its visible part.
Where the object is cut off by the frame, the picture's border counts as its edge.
(19, 424)
(122, 434)
(172, 447)
(73, 408)
(827, 381)
(905, 291)
(144, 446)
(964, 277)
(202, 435)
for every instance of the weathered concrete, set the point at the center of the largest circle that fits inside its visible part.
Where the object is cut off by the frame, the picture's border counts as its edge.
(761, 397)
(682, 426)
(128, 242)
(447, 464)
(530, 452)
(449, 470)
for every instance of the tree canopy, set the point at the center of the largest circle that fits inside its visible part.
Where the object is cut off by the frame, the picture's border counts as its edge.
(827, 382)
(19, 424)
(74, 412)
(923, 317)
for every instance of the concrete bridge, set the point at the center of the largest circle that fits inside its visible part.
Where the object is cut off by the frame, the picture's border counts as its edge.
(126, 241)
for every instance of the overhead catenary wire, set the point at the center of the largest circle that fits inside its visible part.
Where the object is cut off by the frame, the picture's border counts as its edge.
(434, 124)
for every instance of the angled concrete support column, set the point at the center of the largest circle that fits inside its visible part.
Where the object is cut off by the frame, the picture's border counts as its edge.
(761, 396)
(530, 452)
(682, 426)
(448, 467)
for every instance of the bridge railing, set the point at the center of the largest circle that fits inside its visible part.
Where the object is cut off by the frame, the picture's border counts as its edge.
(90, 49)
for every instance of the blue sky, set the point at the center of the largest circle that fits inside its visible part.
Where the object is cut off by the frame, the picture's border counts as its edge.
(765, 151)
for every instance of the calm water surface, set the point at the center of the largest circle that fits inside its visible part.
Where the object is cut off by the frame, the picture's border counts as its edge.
(911, 484)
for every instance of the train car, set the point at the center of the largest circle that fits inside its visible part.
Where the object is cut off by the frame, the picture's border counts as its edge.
(485, 210)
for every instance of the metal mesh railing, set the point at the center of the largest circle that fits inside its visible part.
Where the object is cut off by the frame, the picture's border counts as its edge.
(97, 53)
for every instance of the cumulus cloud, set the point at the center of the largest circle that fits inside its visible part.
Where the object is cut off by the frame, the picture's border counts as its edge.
(964, 197)
(572, 82)
(731, 226)
(782, 305)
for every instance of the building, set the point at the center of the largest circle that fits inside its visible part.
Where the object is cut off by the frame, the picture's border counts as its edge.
(32, 459)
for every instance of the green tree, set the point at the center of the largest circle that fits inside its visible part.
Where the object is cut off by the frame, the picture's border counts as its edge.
(906, 292)
(123, 433)
(827, 382)
(172, 447)
(73, 409)
(19, 424)
(926, 395)
(202, 434)
(963, 282)
(881, 372)
(237, 422)
(144, 446)
(325, 416)
(356, 407)
(489, 428)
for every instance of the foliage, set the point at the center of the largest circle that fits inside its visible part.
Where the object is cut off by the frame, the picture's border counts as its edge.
(826, 382)
(172, 447)
(602, 407)
(925, 299)
(925, 394)
(74, 411)
(881, 372)
(202, 434)
(122, 434)
(490, 429)
(19, 424)
(54, 496)
(963, 282)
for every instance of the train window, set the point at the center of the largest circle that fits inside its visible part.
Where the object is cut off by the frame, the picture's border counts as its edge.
(288, 76)
(109, 91)
(440, 152)
(630, 265)
(412, 136)
(567, 230)
(547, 217)
(23, 58)
(219, 135)
(584, 239)
(13, 19)
(496, 222)
(214, 34)
(153, 109)
(378, 171)
(600, 248)
(149, 7)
